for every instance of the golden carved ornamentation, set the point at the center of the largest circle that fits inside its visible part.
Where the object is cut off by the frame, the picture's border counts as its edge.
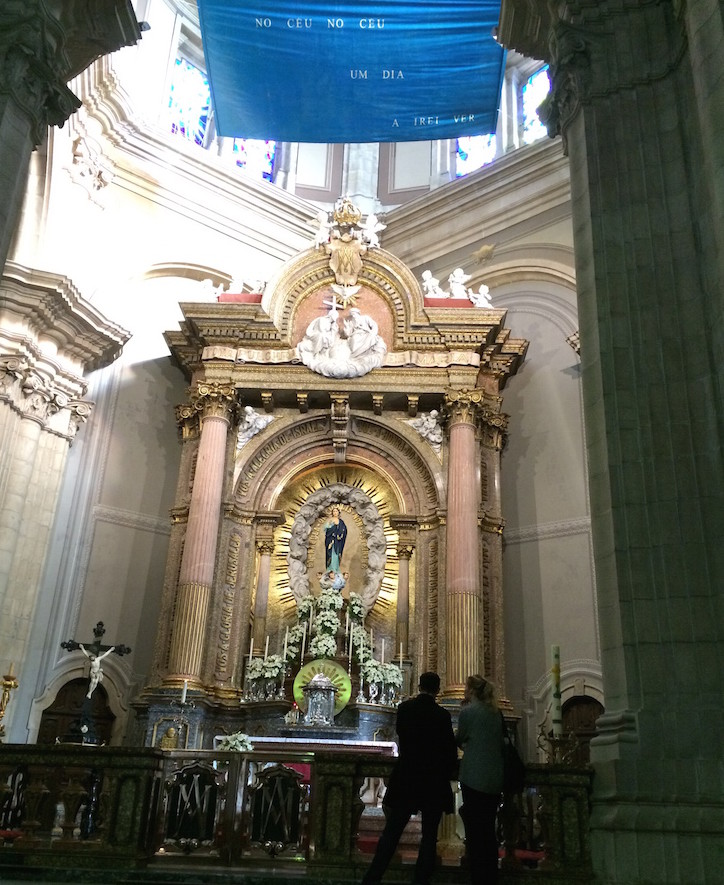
(214, 400)
(265, 546)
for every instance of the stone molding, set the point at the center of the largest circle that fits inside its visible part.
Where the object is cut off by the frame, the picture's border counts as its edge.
(140, 521)
(546, 531)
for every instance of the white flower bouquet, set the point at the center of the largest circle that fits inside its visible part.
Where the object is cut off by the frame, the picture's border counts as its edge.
(305, 607)
(356, 608)
(272, 666)
(254, 668)
(392, 675)
(236, 743)
(327, 622)
(329, 600)
(372, 671)
(294, 641)
(323, 646)
(360, 644)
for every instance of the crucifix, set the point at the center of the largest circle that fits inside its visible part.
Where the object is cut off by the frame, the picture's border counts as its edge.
(95, 651)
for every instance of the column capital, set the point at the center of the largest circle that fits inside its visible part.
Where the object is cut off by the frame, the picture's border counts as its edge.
(481, 409)
(265, 545)
(214, 400)
(405, 551)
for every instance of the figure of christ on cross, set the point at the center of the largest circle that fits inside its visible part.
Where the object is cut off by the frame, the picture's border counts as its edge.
(95, 652)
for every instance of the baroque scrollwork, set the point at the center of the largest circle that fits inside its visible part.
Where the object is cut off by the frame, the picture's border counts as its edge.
(214, 400)
(314, 506)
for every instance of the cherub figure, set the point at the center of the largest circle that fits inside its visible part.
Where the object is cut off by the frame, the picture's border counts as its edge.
(457, 280)
(481, 298)
(325, 229)
(370, 229)
(96, 674)
(431, 285)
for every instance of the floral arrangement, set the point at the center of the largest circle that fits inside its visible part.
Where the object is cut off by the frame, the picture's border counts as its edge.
(372, 671)
(329, 600)
(392, 675)
(356, 608)
(305, 607)
(323, 646)
(272, 666)
(294, 641)
(237, 743)
(360, 643)
(327, 622)
(254, 668)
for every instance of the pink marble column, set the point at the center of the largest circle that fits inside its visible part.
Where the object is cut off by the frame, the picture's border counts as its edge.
(404, 554)
(215, 403)
(462, 600)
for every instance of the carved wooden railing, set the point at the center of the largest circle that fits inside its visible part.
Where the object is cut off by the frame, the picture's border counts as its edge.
(101, 808)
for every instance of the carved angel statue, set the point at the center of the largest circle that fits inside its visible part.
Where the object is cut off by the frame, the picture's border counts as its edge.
(325, 229)
(481, 298)
(428, 426)
(431, 285)
(370, 229)
(251, 423)
(457, 280)
(350, 353)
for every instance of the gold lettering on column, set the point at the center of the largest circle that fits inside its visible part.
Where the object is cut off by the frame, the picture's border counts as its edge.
(227, 606)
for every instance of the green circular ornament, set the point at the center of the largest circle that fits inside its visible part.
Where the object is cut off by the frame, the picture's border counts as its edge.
(334, 672)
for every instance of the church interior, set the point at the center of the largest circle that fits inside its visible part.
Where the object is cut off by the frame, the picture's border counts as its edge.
(286, 424)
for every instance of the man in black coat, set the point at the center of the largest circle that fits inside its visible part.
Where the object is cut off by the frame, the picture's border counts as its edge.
(420, 780)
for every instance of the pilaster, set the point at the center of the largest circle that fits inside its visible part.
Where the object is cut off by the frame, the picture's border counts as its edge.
(635, 87)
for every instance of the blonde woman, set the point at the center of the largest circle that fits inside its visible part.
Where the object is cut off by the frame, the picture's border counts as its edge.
(480, 734)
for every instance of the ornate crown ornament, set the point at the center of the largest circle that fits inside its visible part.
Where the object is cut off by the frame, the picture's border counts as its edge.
(346, 213)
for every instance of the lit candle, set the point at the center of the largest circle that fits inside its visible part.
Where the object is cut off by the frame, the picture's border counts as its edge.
(382, 660)
(400, 656)
(556, 713)
(184, 690)
(286, 640)
(251, 649)
(266, 647)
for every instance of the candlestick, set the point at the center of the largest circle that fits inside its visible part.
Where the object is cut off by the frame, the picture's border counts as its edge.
(251, 649)
(286, 640)
(184, 690)
(556, 712)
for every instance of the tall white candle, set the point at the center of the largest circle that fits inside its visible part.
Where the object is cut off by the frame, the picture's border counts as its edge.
(304, 643)
(251, 649)
(382, 659)
(184, 690)
(286, 640)
(400, 656)
(372, 642)
(556, 712)
(266, 647)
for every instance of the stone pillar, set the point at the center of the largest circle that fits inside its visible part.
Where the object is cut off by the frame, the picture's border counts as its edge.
(215, 403)
(265, 548)
(36, 61)
(462, 583)
(405, 549)
(493, 437)
(637, 96)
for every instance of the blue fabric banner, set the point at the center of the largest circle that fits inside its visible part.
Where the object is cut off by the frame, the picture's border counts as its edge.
(315, 71)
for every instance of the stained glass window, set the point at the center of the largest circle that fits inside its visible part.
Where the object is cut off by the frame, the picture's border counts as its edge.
(473, 152)
(189, 102)
(255, 157)
(534, 91)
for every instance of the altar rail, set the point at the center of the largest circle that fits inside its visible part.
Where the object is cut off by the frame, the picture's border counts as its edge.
(115, 809)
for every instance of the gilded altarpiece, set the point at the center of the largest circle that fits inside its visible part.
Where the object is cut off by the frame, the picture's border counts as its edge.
(339, 403)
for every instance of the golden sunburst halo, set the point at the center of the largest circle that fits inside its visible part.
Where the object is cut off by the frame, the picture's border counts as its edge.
(334, 672)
